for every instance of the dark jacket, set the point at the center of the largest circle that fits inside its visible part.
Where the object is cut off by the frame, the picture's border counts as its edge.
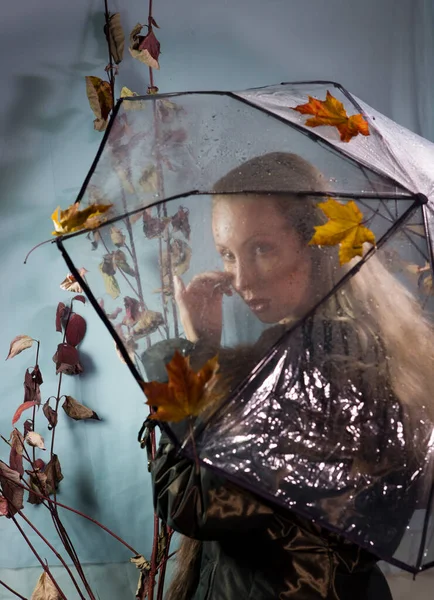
(348, 461)
(251, 551)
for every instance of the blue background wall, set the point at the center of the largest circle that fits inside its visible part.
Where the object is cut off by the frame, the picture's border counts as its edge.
(381, 50)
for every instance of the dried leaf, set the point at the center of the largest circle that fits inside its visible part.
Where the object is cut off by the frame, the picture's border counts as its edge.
(60, 312)
(108, 266)
(114, 315)
(180, 256)
(145, 568)
(38, 485)
(148, 322)
(117, 237)
(146, 48)
(344, 227)
(32, 381)
(72, 219)
(132, 311)
(332, 112)
(24, 406)
(45, 589)
(162, 545)
(13, 494)
(127, 93)
(18, 344)
(153, 226)
(35, 440)
(3, 506)
(80, 299)
(149, 179)
(94, 237)
(16, 453)
(111, 285)
(115, 34)
(75, 330)
(180, 222)
(100, 99)
(70, 284)
(120, 261)
(186, 394)
(168, 110)
(50, 414)
(77, 411)
(67, 360)
(53, 473)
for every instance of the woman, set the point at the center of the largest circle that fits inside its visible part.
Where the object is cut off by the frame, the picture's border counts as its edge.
(370, 336)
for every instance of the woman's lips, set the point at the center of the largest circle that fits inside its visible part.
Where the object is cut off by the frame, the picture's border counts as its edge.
(258, 305)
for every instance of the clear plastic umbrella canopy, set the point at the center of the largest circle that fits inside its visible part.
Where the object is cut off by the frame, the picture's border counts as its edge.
(326, 407)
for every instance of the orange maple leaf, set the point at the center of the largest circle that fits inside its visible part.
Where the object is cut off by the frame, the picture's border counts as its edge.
(186, 394)
(332, 112)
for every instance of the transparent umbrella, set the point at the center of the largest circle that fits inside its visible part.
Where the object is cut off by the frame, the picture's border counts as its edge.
(307, 217)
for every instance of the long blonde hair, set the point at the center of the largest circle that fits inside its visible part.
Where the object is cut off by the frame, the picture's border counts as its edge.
(394, 337)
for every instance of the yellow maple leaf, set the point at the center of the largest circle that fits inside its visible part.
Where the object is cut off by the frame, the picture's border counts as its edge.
(186, 394)
(73, 219)
(332, 112)
(344, 227)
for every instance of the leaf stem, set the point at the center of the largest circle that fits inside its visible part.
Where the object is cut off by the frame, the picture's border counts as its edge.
(12, 591)
(110, 70)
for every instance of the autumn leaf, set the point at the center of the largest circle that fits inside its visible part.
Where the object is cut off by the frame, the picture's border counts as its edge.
(35, 440)
(50, 414)
(332, 112)
(117, 237)
(16, 453)
(148, 323)
(180, 222)
(13, 494)
(54, 475)
(45, 589)
(149, 179)
(24, 406)
(180, 256)
(153, 226)
(120, 260)
(78, 411)
(344, 227)
(67, 360)
(73, 219)
(186, 394)
(75, 330)
(100, 99)
(146, 48)
(110, 282)
(133, 311)
(32, 381)
(18, 344)
(3, 506)
(70, 284)
(61, 314)
(115, 36)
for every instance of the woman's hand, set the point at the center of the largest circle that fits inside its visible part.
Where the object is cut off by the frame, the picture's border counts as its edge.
(200, 305)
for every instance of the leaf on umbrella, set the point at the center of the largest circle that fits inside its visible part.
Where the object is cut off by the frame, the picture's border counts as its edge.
(75, 330)
(344, 227)
(32, 381)
(115, 35)
(332, 112)
(148, 322)
(70, 284)
(54, 474)
(18, 344)
(180, 222)
(45, 589)
(186, 394)
(100, 99)
(78, 411)
(146, 48)
(35, 440)
(50, 414)
(24, 406)
(110, 282)
(3, 506)
(153, 226)
(16, 453)
(114, 315)
(120, 260)
(132, 311)
(117, 237)
(13, 494)
(180, 256)
(168, 110)
(149, 179)
(73, 219)
(67, 360)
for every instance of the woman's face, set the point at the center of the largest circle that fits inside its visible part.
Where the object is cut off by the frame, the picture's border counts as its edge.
(270, 266)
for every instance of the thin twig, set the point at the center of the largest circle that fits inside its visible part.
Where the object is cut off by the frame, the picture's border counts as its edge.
(12, 591)
(43, 565)
(110, 69)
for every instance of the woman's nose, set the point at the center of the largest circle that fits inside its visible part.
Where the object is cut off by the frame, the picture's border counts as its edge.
(243, 277)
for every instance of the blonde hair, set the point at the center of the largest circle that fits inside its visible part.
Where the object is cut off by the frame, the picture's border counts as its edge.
(392, 341)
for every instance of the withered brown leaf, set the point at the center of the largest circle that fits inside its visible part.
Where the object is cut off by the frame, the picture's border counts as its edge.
(117, 237)
(148, 323)
(75, 330)
(18, 344)
(13, 494)
(78, 411)
(132, 311)
(50, 414)
(67, 360)
(45, 589)
(153, 226)
(16, 453)
(149, 179)
(100, 100)
(115, 35)
(120, 260)
(180, 222)
(54, 474)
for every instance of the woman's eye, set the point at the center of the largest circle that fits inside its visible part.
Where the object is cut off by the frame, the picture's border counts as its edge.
(227, 256)
(262, 249)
